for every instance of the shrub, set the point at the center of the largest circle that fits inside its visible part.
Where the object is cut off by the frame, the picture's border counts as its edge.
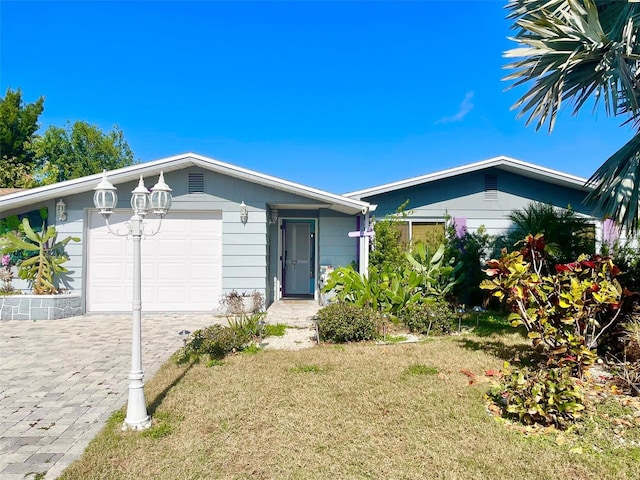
(344, 322)
(216, 341)
(471, 249)
(566, 313)
(627, 257)
(434, 318)
(388, 248)
(547, 396)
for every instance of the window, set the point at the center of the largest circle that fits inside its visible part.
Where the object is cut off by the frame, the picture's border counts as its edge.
(196, 182)
(430, 233)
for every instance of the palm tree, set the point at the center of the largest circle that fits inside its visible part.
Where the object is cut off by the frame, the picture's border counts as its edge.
(566, 233)
(576, 50)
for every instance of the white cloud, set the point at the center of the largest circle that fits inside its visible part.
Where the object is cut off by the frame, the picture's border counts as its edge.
(465, 107)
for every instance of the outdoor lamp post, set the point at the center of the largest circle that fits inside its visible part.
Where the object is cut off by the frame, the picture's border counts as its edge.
(158, 202)
(184, 335)
(460, 310)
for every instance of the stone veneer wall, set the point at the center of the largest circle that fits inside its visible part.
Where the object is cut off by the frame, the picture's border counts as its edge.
(40, 307)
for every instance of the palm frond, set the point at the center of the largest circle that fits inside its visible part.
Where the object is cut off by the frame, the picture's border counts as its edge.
(616, 186)
(571, 54)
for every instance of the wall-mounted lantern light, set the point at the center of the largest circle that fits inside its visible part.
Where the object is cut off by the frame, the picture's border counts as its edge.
(61, 211)
(244, 212)
(274, 215)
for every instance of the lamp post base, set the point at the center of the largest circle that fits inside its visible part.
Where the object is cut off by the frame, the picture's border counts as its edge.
(139, 425)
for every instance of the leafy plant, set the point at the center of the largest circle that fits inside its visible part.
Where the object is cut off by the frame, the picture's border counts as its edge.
(472, 250)
(362, 290)
(429, 318)
(566, 234)
(547, 396)
(565, 313)
(44, 268)
(216, 341)
(388, 248)
(245, 324)
(437, 276)
(6, 276)
(427, 278)
(343, 322)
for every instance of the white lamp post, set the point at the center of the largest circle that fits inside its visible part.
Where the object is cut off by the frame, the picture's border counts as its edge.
(159, 202)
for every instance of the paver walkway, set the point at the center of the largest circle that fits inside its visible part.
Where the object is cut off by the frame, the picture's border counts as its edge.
(60, 380)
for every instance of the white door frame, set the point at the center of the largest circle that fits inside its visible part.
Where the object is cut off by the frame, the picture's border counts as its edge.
(278, 287)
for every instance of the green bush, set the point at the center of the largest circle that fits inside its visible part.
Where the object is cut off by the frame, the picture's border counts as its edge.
(566, 313)
(547, 396)
(217, 341)
(345, 322)
(435, 318)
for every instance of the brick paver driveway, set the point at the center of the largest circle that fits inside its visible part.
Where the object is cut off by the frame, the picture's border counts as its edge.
(60, 380)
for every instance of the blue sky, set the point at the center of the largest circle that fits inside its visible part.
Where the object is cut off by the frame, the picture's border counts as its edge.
(335, 95)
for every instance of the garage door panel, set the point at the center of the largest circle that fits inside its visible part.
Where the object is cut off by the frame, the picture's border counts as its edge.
(203, 271)
(181, 267)
(173, 247)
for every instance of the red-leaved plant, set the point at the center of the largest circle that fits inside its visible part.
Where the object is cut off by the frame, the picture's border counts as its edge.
(565, 312)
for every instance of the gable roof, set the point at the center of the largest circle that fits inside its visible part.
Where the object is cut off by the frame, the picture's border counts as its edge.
(503, 163)
(178, 162)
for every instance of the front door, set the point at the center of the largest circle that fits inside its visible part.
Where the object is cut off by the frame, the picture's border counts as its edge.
(298, 258)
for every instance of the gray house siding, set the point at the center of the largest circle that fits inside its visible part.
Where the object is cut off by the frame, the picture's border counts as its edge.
(464, 196)
(336, 247)
(237, 255)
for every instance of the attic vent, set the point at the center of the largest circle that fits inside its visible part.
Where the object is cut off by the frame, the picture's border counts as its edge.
(490, 186)
(196, 182)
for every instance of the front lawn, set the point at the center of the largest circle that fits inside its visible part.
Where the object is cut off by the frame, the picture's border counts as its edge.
(353, 411)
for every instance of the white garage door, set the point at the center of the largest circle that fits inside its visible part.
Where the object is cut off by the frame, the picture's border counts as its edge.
(181, 266)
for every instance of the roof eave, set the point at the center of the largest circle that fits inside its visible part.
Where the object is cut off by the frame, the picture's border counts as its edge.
(507, 163)
(131, 173)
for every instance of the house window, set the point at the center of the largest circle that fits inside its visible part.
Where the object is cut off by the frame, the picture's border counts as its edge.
(490, 186)
(196, 182)
(430, 233)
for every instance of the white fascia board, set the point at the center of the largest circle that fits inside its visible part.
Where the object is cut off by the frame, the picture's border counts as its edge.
(133, 172)
(510, 164)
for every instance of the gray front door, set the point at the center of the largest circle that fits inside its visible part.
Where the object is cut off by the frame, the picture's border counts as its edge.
(297, 254)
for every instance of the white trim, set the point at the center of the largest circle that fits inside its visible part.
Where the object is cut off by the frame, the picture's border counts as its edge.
(178, 162)
(505, 163)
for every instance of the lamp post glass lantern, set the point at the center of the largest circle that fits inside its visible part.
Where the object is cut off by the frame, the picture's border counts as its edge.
(158, 202)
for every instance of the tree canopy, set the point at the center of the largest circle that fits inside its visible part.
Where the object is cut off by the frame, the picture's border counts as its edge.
(578, 51)
(18, 126)
(80, 149)
(76, 150)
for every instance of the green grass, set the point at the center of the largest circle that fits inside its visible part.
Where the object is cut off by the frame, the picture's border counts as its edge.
(358, 411)
(307, 369)
(395, 338)
(420, 369)
(276, 330)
